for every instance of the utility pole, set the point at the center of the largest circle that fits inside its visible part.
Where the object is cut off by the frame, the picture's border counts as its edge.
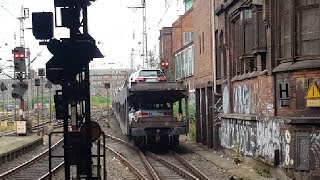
(144, 32)
(145, 43)
(24, 15)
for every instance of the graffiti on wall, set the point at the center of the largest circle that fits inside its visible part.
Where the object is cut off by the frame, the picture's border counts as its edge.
(253, 138)
(315, 148)
(268, 136)
(262, 106)
(252, 98)
(287, 139)
(225, 100)
(241, 99)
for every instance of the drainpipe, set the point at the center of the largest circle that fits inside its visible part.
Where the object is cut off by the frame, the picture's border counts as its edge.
(214, 52)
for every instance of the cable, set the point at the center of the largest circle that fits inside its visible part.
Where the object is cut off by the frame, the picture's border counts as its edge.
(8, 11)
(165, 12)
(39, 53)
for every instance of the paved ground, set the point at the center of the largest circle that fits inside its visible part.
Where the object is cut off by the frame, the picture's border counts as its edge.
(239, 171)
(11, 143)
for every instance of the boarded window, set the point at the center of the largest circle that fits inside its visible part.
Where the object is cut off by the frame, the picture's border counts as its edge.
(308, 28)
(302, 151)
(237, 46)
(285, 30)
(218, 55)
(298, 23)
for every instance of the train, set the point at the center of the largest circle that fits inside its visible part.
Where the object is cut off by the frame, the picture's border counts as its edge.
(152, 112)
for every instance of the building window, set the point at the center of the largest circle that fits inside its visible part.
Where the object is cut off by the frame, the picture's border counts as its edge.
(218, 55)
(188, 4)
(247, 39)
(285, 32)
(202, 41)
(185, 63)
(308, 28)
(187, 38)
(237, 46)
(199, 44)
(299, 30)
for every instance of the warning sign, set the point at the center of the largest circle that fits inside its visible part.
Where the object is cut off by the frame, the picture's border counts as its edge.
(313, 92)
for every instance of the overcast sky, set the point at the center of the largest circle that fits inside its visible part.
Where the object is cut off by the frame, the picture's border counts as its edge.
(111, 23)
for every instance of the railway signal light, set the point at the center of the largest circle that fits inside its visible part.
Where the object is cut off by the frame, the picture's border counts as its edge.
(3, 87)
(42, 25)
(37, 82)
(59, 105)
(19, 59)
(19, 89)
(107, 85)
(48, 85)
(164, 64)
(62, 65)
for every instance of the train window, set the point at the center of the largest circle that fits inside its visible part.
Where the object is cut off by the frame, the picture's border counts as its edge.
(150, 73)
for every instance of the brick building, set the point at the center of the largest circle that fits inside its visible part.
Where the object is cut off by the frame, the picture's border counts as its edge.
(116, 78)
(257, 79)
(165, 51)
(203, 46)
(177, 48)
(267, 59)
(183, 48)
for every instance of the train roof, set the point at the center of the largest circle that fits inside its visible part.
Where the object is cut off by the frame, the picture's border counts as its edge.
(160, 92)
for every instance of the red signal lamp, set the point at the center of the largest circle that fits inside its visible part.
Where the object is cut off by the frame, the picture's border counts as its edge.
(18, 55)
(164, 64)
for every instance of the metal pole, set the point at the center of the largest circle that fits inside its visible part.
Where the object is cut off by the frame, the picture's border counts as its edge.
(3, 102)
(42, 119)
(15, 109)
(30, 95)
(38, 106)
(50, 103)
(108, 99)
(87, 101)
(144, 32)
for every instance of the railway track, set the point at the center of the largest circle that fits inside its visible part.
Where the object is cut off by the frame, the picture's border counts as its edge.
(150, 166)
(37, 168)
(130, 157)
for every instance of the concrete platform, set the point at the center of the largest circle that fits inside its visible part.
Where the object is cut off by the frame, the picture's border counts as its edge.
(14, 146)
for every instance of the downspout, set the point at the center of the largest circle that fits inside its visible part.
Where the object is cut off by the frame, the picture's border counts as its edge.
(214, 51)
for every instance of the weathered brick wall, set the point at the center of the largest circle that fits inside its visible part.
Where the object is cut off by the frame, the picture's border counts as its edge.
(166, 54)
(176, 35)
(181, 25)
(202, 31)
(252, 97)
(167, 47)
(299, 83)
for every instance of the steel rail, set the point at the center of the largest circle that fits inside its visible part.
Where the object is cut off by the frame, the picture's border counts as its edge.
(17, 169)
(54, 171)
(171, 166)
(144, 160)
(128, 164)
(190, 167)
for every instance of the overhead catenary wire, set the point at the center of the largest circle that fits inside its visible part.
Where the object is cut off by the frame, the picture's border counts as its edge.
(167, 6)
